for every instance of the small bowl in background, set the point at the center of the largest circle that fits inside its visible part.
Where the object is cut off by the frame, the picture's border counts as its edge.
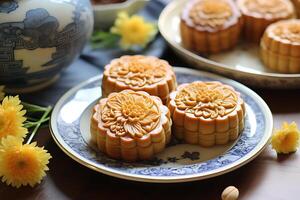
(105, 14)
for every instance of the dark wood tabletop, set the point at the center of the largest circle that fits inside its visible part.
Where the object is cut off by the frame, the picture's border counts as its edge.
(266, 177)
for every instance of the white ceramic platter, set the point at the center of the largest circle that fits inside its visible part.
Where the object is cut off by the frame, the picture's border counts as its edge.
(105, 15)
(242, 63)
(70, 122)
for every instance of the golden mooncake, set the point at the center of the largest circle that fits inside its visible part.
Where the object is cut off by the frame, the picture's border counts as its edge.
(210, 26)
(258, 14)
(280, 46)
(131, 125)
(206, 113)
(139, 73)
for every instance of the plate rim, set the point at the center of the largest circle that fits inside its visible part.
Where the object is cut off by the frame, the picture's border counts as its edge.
(163, 16)
(166, 179)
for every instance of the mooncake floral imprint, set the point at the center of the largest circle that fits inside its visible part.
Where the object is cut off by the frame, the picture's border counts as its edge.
(206, 113)
(131, 125)
(206, 100)
(139, 73)
(136, 114)
(214, 13)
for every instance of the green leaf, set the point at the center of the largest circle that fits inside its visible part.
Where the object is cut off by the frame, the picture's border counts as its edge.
(101, 39)
(33, 108)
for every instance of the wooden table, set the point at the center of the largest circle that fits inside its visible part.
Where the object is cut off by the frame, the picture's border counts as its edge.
(267, 177)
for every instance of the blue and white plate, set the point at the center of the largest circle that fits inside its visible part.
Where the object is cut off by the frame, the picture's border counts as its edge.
(70, 124)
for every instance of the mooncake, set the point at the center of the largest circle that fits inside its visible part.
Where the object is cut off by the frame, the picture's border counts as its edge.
(258, 14)
(131, 125)
(206, 113)
(280, 46)
(139, 73)
(210, 26)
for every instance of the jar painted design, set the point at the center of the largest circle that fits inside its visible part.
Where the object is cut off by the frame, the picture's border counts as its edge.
(40, 38)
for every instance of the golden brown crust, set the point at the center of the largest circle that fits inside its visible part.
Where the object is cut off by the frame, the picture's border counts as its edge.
(210, 15)
(280, 46)
(297, 6)
(206, 113)
(258, 14)
(139, 73)
(131, 125)
(210, 26)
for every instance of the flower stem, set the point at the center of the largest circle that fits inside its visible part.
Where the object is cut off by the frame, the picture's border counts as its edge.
(40, 122)
(34, 108)
(30, 124)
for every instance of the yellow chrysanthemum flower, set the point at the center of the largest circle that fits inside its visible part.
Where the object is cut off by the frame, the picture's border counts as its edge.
(134, 30)
(12, 117)
(22, 164)
(2, 94)
(286, 140)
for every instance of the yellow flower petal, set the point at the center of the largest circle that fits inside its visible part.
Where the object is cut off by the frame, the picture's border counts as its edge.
(22, 164)
(12, 118)
(123, 15)
(286, 140)
(2, 94)
(134, 30)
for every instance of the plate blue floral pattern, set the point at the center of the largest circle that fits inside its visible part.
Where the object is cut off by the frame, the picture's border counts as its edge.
(69, 137)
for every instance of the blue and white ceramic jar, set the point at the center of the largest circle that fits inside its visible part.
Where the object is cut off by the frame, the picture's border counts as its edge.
(38, 38)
